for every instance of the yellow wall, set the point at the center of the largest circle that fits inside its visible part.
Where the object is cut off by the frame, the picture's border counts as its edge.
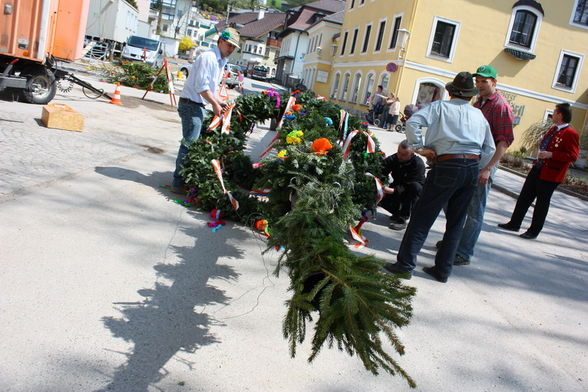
(528, 84)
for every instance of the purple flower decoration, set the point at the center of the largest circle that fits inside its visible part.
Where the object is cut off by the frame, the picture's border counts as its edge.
(274, 94)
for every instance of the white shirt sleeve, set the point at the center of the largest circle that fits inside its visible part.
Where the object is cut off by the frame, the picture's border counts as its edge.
(414, 134)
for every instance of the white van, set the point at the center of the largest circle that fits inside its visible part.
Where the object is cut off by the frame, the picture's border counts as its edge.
(144, 49)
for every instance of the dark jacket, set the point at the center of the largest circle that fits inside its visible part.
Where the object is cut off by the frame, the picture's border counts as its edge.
(404, 172)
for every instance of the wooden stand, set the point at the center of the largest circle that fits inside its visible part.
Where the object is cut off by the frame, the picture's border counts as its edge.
(170, 83)
(60, 116)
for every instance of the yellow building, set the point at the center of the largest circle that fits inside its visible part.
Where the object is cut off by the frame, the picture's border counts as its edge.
(318, 60)
(414, 47)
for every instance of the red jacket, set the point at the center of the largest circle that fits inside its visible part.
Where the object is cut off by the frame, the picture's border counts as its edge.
(565, 146)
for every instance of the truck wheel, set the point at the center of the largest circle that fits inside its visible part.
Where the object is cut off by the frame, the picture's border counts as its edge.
(41, 87)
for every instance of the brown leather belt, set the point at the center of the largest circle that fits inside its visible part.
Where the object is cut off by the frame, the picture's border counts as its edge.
(447, 157)
(187, 100)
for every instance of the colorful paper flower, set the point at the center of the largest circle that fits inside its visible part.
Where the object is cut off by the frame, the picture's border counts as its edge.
(297, 107)
(294, 137)
(329, 121)
(282, 154)
(321, 146)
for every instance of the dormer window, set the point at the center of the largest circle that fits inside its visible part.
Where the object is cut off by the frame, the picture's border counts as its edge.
(523, 29)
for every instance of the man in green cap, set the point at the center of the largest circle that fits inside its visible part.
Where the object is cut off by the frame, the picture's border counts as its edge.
(498, 113)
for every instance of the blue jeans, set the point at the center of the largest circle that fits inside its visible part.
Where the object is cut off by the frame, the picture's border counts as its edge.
(450, 183)
(192, 116)
(474, 220)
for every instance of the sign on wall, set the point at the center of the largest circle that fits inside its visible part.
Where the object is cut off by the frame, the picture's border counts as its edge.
(391, 67)
(322, 76)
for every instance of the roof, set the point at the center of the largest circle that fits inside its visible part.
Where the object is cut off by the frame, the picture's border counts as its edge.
(337, 17)
(251, 27)
(311, 13)
(327, 5)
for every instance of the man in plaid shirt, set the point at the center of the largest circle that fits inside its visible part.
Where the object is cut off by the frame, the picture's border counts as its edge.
(498, 113)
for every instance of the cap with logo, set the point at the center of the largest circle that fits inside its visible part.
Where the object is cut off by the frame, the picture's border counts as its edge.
(486, 71)
(232, 36)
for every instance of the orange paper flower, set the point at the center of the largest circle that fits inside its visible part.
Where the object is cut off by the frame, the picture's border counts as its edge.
(297, 107)
(321, 146)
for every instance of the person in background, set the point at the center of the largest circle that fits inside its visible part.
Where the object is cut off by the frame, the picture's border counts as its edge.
(200, 88)
(393, 112)
(457, 137)
(240, 79)
(557, 150)
(408, 177)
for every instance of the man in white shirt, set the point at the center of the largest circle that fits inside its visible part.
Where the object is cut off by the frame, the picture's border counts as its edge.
(200, 88)
(458, 140)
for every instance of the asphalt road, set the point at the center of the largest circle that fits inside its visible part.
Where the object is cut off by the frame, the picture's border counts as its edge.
(108, 285)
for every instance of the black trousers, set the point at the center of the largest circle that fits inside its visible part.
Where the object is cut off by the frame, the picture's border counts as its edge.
(400, 203)
(534, 188)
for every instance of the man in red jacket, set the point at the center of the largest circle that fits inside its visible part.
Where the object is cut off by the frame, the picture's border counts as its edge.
(557, 150)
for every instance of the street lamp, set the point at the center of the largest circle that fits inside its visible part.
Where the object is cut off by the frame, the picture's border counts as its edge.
(403, 35)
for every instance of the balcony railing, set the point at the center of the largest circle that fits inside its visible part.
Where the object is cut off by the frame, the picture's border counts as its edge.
(274, 43)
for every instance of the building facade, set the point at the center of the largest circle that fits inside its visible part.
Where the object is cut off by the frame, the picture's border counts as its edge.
(259, 31)
(318, 60)
(295, 39)
(414, 47)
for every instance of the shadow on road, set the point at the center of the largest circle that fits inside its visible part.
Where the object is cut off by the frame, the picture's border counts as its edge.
(169, 320)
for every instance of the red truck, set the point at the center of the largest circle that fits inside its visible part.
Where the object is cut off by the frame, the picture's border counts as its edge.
(34, 36)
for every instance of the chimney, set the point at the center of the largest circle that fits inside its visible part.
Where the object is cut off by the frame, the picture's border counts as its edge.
(261, 13)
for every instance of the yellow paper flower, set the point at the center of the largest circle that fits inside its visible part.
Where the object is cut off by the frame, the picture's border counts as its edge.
(282, 154)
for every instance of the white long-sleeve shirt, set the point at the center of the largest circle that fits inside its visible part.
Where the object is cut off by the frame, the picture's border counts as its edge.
(205, 74)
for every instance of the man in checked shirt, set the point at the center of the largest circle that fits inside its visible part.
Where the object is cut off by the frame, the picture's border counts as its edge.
(498, 113)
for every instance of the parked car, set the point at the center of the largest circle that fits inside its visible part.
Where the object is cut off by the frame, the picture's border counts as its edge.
(259, 72)
(144, 49)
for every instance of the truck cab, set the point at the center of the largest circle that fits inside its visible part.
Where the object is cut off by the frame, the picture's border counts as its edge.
(144, 49)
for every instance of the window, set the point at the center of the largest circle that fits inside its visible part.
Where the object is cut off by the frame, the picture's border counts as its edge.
(523, 28)
(394, 38)
(361, 2)
(580, 13)
(345, 87)
(443, 39)
(567, 72)
(384, 79)
(355, 90)
(354, 41)
(344, 42)
(352, 4)
(428, 90)
(366, 40)
(380, 35)
(369, 86)
(335, 86)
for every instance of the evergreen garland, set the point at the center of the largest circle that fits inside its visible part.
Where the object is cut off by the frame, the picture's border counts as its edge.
(315, 197)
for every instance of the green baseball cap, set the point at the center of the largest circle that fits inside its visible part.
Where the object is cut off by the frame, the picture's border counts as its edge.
(486, 71)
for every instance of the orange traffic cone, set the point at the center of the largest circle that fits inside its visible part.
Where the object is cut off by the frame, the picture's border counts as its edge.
(116, 99)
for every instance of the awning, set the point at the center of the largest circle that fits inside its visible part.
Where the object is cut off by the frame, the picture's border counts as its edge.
(210, 32)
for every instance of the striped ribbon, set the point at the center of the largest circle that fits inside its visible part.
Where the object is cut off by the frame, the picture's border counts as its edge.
(289, 105)
(371, 145)
(379, 188)
(219, 174)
